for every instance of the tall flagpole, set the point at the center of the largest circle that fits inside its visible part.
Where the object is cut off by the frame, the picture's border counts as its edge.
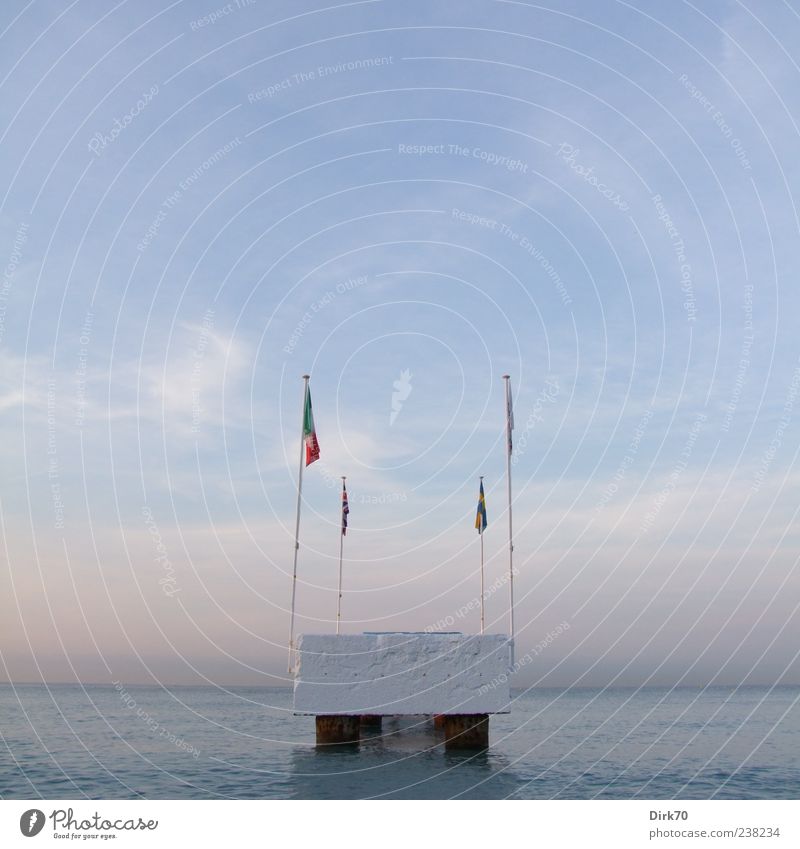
(341, 551)
(482, 595)
(297, 520)
(509, 427)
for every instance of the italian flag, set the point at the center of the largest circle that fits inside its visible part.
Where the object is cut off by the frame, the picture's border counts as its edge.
(309, 431)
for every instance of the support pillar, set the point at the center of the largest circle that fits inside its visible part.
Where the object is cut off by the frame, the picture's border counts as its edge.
(438, 721)
(337, 730)
(371, 721)
(466, 731)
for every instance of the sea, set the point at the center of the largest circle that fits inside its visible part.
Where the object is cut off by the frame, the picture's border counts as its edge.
(152, 742)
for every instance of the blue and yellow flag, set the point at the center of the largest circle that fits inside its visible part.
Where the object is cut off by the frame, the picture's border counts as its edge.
(480, 518)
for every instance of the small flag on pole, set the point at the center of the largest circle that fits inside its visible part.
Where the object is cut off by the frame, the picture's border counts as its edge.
(309, 431)
(480, 518)
(345, 509)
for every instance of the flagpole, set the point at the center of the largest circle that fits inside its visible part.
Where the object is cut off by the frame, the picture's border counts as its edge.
(297, 520)
(507, 379)
(482, 595)
(341, 551)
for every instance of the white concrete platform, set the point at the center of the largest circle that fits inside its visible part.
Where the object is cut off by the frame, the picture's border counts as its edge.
(402, 674)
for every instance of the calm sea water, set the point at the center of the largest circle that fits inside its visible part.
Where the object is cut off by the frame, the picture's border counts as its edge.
(201, 742)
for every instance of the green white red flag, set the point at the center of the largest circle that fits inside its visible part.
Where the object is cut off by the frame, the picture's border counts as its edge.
(309, 431)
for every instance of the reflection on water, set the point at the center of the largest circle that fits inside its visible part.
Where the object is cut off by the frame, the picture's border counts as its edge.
(403, 760)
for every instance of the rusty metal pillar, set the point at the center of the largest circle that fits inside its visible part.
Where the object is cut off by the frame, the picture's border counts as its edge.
(438, 721)
(466, 731)
(337, 730)
(371, 721)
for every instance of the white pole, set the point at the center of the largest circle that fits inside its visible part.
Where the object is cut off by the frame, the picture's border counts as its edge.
(482, 594)
(509, 425)
(341, 550)
(297, 520)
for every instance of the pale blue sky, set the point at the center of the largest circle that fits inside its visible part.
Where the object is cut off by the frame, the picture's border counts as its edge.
(598, 198)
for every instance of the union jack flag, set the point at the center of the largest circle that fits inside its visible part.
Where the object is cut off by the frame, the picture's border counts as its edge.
(345, 510)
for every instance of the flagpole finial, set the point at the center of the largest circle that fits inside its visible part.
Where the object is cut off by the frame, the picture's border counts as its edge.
(344, 477)
(506, 377)
(306, 376)
(481, 477)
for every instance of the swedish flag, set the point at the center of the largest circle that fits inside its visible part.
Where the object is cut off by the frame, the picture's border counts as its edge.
(480, 518)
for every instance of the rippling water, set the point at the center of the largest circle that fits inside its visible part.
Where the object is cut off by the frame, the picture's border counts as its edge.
(202, 742)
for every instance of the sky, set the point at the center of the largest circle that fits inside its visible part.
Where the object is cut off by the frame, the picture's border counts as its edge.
(201, 202)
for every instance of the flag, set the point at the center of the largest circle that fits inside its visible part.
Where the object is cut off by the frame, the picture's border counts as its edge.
(509, 417)
(345, 509)
(309, 431)
(480, 518)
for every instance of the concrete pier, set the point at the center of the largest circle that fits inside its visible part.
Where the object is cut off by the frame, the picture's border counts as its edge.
(338, 730)
(466, 731)
(351, 681)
